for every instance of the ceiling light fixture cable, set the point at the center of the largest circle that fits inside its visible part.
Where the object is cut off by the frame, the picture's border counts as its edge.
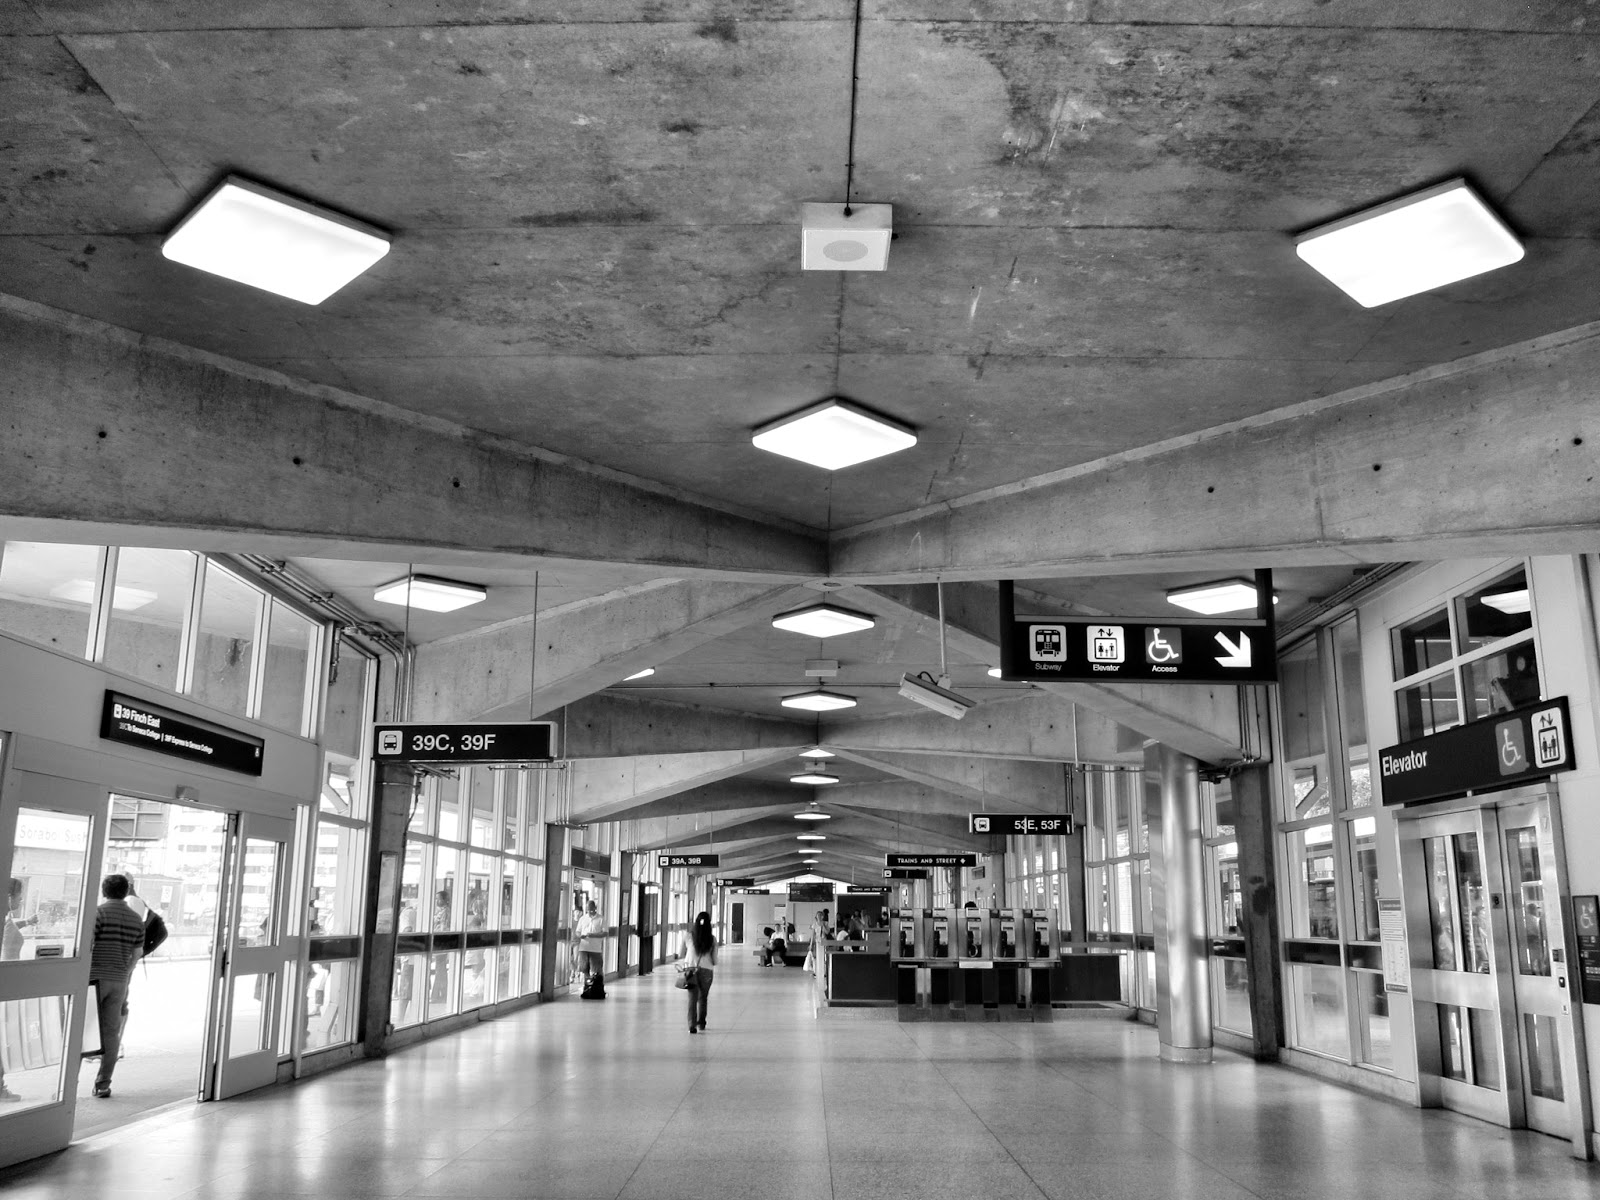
(944, 672)
(855, 82)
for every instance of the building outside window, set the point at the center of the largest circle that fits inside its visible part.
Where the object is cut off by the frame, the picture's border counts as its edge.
(1230, 983)
(1036, 876)
(1334, 999)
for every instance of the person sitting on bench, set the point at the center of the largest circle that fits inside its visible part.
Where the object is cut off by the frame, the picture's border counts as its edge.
(777, 948)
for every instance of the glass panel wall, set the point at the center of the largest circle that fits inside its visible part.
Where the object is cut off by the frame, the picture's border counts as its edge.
(224, 650)
(1335, 1000)
(149, 613)
(287, 668)
(1230, 981)
(47, 593)
(463, 880)
(1117, 875)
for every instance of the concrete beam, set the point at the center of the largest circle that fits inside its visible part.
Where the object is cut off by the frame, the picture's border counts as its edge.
(601, 789)
(724, 795)
(1370, 474)
(584, 646)
(656, 833)
(998, 783)
(611, 724)
(1202, 720)
(1031, 724)
(113, 436)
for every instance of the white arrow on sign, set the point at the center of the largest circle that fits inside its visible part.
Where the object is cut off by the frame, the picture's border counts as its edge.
(1238, 655)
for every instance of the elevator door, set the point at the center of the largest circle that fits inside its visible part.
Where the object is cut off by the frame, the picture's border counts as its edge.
(1495, 1029)
(255, 956)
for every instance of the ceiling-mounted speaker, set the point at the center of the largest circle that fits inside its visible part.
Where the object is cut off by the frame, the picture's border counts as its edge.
(832, 241)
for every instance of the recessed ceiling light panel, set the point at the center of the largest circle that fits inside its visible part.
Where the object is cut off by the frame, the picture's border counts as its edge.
(830, 240)
(1211, 599)
(435, 595)
(279, 243)
(812, 814)
(819, 701)
(833, 435)
(1420, 242)
(812, 837)
(817, 778)
(822, 621)
(816, 752)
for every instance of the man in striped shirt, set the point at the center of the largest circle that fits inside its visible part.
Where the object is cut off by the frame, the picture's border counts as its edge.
(118, 942)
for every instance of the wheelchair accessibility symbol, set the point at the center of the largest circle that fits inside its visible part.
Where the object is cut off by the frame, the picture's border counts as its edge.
(1511, 747)
(1162, 645)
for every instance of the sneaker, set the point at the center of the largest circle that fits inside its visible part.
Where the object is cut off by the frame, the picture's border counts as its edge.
(102, 1091)
(691, 1029)
(7, 1096)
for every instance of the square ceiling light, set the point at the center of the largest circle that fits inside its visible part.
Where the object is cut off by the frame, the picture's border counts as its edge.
(435, 595)
(1223, 596)
(1423, 241)
(819, 701)
(816, 752)
(833, 435)
(816, 778)
(822, 620)
(845, 237)
(279, 243)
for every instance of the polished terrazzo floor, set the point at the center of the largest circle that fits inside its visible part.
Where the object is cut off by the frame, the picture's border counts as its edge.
(609, 1100)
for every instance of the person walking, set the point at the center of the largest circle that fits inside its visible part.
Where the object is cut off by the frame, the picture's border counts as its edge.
(591, 940)
(118, 942)
(12, 940)
(697, 956)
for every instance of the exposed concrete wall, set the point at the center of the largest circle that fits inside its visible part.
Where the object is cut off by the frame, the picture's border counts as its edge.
(1034, 724)
(608, 724)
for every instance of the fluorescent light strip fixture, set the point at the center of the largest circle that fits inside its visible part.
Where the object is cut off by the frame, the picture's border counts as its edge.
(435, 595)
(822, 621)
(1211, 599)
(644, 674)
(833, 435)
(819, 701)
(1440, 235)
(273, 241)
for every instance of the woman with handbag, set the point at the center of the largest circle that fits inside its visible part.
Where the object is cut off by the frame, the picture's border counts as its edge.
(697, 956)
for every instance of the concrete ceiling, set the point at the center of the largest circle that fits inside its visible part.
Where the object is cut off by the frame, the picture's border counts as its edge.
(595, 256)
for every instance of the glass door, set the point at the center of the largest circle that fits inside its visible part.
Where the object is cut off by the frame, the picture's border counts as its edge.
(1459, 983)
(50, 847)
(1540, 976)
(255, 956)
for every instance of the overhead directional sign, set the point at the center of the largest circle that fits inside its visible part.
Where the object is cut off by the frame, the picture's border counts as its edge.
(691, 860)
(1112, 649)
(1017, 823)
(137, 722)
(468, 742)
(903, 873)
(932, 860)
(736, 883)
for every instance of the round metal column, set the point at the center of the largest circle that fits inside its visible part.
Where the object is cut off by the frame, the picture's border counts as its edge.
(1178, 901)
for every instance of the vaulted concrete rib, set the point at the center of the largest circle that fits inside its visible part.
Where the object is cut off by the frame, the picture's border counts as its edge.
(1202, 721)
(1002, 785)
(652, 833)
(583, 647)
(1031, 724)
(609, 724)
(135, 440)
(725, 795)
(602, 789)
(1373, 473)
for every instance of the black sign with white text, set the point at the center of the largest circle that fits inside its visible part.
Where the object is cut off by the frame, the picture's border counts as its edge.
(1142, 650)
(904, 873)
(469, 742)
(140, 723)
(1005, 823)
(1498, 751)
(690, 860)
(863, 889)
(932, 860)
(736, 883)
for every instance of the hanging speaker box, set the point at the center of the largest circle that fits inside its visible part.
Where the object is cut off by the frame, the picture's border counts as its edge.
(831, 241)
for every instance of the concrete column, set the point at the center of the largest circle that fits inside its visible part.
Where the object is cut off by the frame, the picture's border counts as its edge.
(1254, 828)
(1177, 881)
